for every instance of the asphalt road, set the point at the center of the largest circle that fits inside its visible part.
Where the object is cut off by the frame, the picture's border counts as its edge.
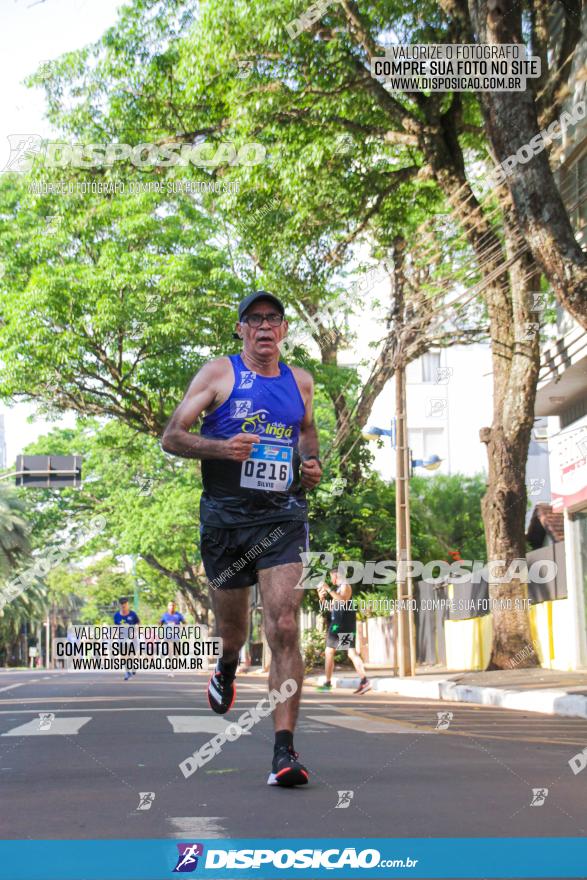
(111, 740)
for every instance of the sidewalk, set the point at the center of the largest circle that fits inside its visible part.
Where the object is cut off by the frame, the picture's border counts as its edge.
(526, 690)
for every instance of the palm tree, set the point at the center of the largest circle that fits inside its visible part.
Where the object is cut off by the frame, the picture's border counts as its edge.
(28, 608)
(14, 549)
(14, 532)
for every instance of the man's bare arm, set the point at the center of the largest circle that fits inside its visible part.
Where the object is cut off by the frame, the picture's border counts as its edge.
(178, 439)
(308, 443)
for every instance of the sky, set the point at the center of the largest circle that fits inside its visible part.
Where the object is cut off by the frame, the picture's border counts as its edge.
(32, 32)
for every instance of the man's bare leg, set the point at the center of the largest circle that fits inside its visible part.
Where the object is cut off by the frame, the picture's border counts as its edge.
(281, 603)
(329, 663)
(231, 611)
(357, 662)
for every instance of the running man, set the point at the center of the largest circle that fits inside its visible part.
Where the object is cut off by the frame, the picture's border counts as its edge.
(172, 618)
(124, 618)
(259, 450)
(342, 630)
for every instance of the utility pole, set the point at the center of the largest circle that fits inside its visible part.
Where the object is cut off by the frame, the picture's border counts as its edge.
(47, 642)
(403, 534)
(409, 578)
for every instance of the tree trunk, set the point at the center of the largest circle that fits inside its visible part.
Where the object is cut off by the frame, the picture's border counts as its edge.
(511, 122)
(504, 504)
(503, 508)
(515, 359)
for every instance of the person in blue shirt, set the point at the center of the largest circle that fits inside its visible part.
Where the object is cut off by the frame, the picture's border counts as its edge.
(171, 616)
(259, 451)
(124, 618)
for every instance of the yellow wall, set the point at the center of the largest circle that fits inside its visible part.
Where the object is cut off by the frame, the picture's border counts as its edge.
(468, 642)
(550, 624)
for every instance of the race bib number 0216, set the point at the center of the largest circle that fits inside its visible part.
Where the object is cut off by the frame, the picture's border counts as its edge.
(269, 468)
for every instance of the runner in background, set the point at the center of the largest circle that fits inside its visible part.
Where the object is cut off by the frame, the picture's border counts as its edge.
(342, 630)
(124, 618)
(173, 618)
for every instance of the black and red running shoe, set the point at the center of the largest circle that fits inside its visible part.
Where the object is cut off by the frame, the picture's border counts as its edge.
(286, 769)
(221, 692)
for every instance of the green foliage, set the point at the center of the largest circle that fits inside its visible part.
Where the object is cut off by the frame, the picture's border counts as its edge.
(359, 525)
(149, 501)
(448, 511)
(376, 603)
(110, 303)
(97, 588)
(313, 645)
(14, 532)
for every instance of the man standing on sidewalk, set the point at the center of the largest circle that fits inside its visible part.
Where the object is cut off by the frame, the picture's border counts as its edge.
(259, 450)
(342, 630)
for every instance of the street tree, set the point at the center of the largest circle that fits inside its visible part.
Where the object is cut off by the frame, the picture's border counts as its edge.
(410, 155)
(515, 119)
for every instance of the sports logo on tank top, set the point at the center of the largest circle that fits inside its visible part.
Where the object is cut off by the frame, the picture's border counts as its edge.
(240, 409)
(247, 379)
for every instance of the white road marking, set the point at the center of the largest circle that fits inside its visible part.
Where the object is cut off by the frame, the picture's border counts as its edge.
(21, 684)
(106, 699)
(367, 725)
(200, 724)
(196, 826)
(205, 713)
(59, 727)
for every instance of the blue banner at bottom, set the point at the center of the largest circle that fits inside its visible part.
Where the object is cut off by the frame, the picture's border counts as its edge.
(275, 858)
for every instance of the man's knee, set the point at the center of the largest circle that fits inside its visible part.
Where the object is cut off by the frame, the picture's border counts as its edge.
(283, 632)
(232, 634)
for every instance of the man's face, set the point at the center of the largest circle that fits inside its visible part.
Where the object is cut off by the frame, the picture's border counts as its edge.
(334, 577)
(171, 607)
(262, 340)
(124, 608)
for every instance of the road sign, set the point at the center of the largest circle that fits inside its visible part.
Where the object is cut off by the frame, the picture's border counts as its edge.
(48, 471)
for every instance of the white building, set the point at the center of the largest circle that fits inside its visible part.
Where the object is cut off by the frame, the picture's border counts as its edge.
(562, 396)
(562, 389)
(448, 399)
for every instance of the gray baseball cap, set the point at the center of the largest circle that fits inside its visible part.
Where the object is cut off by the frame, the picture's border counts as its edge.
(248, 301)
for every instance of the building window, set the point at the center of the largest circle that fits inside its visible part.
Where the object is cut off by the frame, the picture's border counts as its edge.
(426, 442)
(573, 186)
(430, 366)
(573, 413)
(433, 442)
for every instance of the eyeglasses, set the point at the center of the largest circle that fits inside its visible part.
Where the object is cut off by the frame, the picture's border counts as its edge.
(256, 319)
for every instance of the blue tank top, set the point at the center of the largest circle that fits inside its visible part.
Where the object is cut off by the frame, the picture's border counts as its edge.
(272, 408)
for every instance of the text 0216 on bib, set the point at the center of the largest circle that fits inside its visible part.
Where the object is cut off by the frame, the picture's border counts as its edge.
(269, 468)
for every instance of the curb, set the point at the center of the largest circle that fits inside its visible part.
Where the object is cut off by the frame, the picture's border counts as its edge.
(548, 701)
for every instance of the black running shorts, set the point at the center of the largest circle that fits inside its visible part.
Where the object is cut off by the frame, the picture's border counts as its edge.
(339, 640)
(232, 557)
